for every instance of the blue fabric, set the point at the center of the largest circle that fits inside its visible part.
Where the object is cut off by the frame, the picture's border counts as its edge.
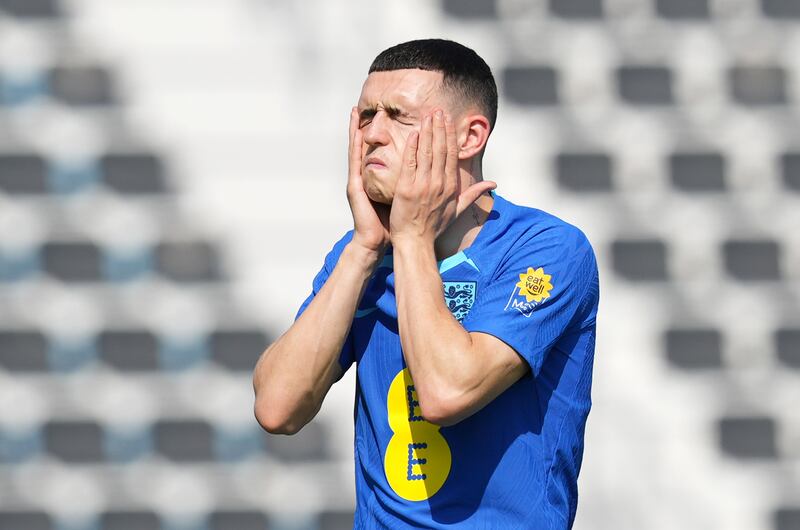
(529, 279)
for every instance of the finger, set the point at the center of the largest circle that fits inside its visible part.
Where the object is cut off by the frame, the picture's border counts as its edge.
(471, 194)
(408, 172)
(424, 150)
(354, 145)
(439, 149)
(355, 185)
(451, 156)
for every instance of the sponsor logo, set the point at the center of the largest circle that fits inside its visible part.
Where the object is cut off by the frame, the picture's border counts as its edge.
(532, 289)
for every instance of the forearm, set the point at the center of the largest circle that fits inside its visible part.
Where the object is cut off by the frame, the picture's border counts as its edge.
(436, 347)
(293, 375)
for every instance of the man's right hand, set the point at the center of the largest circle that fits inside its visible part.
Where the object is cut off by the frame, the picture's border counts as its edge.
(370, 220)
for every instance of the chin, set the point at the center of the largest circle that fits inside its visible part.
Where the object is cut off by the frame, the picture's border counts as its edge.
(379, 193)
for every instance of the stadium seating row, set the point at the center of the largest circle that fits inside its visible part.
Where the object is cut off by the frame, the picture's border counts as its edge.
(185, 441)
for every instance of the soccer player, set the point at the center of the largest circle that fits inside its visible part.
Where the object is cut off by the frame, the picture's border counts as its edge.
(471, 320)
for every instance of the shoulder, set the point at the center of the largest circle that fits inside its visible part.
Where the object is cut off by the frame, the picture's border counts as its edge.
(532, 230)
(333, 255)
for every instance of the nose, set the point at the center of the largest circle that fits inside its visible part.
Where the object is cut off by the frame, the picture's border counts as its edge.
(376, 132)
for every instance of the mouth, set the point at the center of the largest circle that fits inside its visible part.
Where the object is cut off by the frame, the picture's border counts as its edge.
(374, 162)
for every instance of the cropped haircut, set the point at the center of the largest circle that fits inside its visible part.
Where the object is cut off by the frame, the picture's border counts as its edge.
(465, 74)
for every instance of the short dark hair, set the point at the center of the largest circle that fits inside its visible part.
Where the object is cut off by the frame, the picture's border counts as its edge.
(464, 72)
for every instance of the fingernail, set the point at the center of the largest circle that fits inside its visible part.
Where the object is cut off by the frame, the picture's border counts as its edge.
(427, 120)
(438, 114)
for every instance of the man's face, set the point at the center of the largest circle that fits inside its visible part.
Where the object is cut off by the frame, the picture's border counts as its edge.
(391, 106)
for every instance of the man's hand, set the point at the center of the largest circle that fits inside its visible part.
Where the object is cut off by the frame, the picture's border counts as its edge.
(370, 220)
(428, 196)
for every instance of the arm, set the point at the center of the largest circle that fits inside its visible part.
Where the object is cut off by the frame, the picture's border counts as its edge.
(295, 373)
(455, 372)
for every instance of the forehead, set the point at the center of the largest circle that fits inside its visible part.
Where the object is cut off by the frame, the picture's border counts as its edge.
(409, 88)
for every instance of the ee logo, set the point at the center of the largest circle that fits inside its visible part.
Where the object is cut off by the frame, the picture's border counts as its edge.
(417, 460)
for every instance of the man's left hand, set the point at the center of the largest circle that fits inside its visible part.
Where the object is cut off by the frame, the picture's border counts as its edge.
(428, 196)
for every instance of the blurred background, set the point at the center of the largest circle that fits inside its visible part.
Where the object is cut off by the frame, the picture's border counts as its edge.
(172, 174)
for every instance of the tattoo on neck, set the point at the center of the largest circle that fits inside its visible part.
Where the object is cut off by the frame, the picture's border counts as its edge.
(474, 210)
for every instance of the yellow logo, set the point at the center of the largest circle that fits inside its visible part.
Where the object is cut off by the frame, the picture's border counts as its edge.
(534, 285)
(417, 460)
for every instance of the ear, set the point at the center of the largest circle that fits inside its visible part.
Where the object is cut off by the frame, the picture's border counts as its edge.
(473, 134)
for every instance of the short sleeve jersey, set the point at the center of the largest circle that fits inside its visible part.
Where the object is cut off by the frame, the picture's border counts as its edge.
(529, 279)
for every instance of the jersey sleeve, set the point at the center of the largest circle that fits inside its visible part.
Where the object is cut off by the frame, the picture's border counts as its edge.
(543, 286)
(346, 356)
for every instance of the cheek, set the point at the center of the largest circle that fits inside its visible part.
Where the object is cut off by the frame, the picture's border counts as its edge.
(401, 137)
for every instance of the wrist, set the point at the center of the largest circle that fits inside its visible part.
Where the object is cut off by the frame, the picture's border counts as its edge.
(365, 258)
(413, 246)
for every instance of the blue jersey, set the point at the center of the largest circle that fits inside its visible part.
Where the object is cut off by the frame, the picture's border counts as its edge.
(529, 279)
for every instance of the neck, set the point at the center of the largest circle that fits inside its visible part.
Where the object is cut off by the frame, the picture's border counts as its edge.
(463, 231)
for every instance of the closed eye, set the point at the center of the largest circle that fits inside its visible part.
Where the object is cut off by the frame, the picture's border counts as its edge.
(394, 113)
(365, 116)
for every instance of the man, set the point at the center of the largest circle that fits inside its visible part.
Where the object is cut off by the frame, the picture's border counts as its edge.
(471, 319)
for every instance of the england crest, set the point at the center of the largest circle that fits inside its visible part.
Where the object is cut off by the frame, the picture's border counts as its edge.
(459, 297)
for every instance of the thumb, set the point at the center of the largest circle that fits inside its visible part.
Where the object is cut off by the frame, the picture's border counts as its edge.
(471, 194)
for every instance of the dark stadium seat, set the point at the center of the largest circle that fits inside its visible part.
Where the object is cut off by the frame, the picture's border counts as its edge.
(530, 85)
(781, 9)
(471, 9)
(238, 350)
(81, 86)
(130, 520)
(133, 173)
(30, 8)
(787, 518)
(25, 520)
(23, 351)
(238, 520)
(748, 437)
(187, 262)
(308, 444)
(697, 172)
(787, 346)
(577, 9)
(72, 261)
(584, 172)
(758, 85)
(694, 349)
(683, 9)
(640, 260)
(330, 520)
(790, 168)
(752, 259)
(23, 174)
(74, 441)
(645, 85)
(184, 440)
(129, 350)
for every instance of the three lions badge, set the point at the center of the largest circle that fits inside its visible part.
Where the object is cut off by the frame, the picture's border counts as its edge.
(459, 297)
